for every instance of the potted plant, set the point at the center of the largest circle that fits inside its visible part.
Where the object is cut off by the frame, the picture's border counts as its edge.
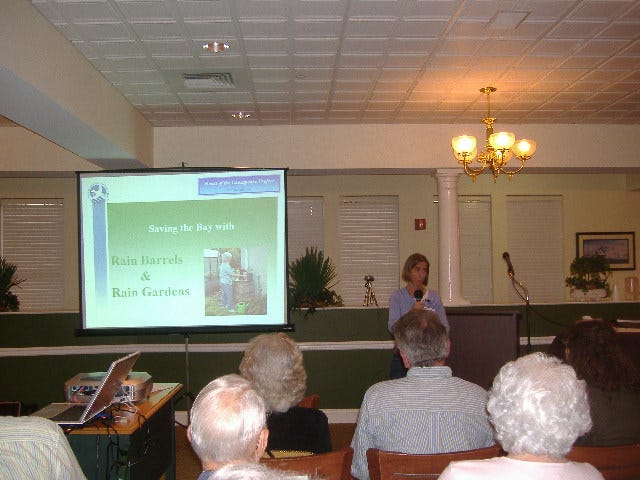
(8, 301)
(589, 275)
(311, 279)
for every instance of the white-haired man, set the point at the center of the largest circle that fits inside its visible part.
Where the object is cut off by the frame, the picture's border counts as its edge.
(228, 424)
(429, 411)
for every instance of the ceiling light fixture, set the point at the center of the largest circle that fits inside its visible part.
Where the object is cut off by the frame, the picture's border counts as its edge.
(500, 147)
(215, 47)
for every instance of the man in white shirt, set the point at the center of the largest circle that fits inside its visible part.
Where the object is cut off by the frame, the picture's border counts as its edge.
(428, 411)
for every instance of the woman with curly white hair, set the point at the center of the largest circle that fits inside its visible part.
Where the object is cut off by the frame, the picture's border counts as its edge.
(273, 364)
(538, 408)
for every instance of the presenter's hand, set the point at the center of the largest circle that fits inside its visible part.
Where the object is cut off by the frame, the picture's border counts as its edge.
(418, 305)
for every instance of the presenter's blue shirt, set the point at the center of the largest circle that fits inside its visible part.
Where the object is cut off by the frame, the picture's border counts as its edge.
(401, 302)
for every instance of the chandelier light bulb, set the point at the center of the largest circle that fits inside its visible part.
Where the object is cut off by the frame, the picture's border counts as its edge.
(502, 140)
(524, 148)
(463, 144)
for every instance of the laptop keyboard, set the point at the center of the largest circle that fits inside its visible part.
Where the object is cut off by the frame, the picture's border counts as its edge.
(74, 412)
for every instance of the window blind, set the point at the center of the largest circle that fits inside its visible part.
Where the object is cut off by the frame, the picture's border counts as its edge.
(305, 227)
(368, 234)
(534, 242)
(476, 248)
(474, 222)
(33, 239)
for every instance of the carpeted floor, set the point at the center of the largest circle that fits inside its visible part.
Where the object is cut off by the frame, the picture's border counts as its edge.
(188, 464)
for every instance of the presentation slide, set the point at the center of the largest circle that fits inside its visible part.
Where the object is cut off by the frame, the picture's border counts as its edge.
(183, 249)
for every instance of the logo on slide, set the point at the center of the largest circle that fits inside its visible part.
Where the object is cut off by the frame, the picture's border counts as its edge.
(98, 193)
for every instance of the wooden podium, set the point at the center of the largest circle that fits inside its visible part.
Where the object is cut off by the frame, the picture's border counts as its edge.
(135, 445)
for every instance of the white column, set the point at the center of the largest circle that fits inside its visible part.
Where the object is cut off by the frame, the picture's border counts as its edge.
(449, 277)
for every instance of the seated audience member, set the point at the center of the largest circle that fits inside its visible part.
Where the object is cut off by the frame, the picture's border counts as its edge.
(538, 408)
(255, 471)
(428, 411)
(36, 448)
(228, 424)
(273, 364)
(613, 383)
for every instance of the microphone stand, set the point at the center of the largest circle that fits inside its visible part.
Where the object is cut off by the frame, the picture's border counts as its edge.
(523, 293)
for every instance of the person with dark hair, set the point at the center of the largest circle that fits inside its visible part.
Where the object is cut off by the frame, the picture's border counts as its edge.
(538, 408)
(429, 410)
(613, 382)
(415, 296)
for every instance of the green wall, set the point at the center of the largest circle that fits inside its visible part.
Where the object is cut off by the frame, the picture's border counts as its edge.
(339, 376)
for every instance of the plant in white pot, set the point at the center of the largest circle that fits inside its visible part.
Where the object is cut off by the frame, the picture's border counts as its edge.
(589, 277)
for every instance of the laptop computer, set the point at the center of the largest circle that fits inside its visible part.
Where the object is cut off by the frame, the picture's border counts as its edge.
(70, 413)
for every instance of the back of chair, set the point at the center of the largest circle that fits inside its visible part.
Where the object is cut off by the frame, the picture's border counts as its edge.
(392, 465)
(334, 465)
(310, 401)
(621, 462)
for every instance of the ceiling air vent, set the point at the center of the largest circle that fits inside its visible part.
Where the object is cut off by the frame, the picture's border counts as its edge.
(208, 81)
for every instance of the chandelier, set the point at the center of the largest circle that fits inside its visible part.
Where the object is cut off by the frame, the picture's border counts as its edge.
(500, 147)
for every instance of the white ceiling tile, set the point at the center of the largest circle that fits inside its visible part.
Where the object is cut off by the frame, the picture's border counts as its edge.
(371, 61)
(311, 74)
(316, 45)
(145, 88)
(177, 48)
(312, 86)
(260, 9)
(154, 31)
(422, 27)
(118, 48)
(272, 96)
(169, 62)
(131, 63)
(598, 9)
(271, 74)
(147, 10)
(271, 87)
(213, 30)
(266, 45)
(103, 31)
(434, 8)
(265, 28)
(311, 97)
(360, 60)
(316, 8)
(398, 60)
(224, 61)
(88, 12)
(314, 60)
(328, 28)
(199, 10)
(623, 30)
(577, 29)
(269, 61)
(370, 27)
(422, 46)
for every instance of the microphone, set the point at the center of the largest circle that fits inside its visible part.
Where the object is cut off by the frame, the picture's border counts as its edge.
(418, 295)
(507, 259)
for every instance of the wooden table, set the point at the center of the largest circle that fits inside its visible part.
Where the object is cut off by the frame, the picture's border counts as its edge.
(134, 444)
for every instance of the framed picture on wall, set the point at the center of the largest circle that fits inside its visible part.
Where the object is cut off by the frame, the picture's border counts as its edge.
(619, 248)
